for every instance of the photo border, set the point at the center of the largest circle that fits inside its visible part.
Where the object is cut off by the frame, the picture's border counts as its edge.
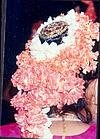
(3, 31)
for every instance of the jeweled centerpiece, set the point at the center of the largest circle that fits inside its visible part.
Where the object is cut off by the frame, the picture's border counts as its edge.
(54, 32)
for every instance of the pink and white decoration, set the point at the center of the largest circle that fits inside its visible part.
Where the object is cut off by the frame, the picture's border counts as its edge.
(46, 74)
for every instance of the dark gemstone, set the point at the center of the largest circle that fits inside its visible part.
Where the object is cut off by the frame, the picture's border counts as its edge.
(54, 32)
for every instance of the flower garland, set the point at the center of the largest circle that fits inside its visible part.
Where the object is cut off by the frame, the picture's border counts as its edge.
(46, 74)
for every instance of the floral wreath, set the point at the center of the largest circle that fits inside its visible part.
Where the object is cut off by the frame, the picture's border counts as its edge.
(48, 73)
